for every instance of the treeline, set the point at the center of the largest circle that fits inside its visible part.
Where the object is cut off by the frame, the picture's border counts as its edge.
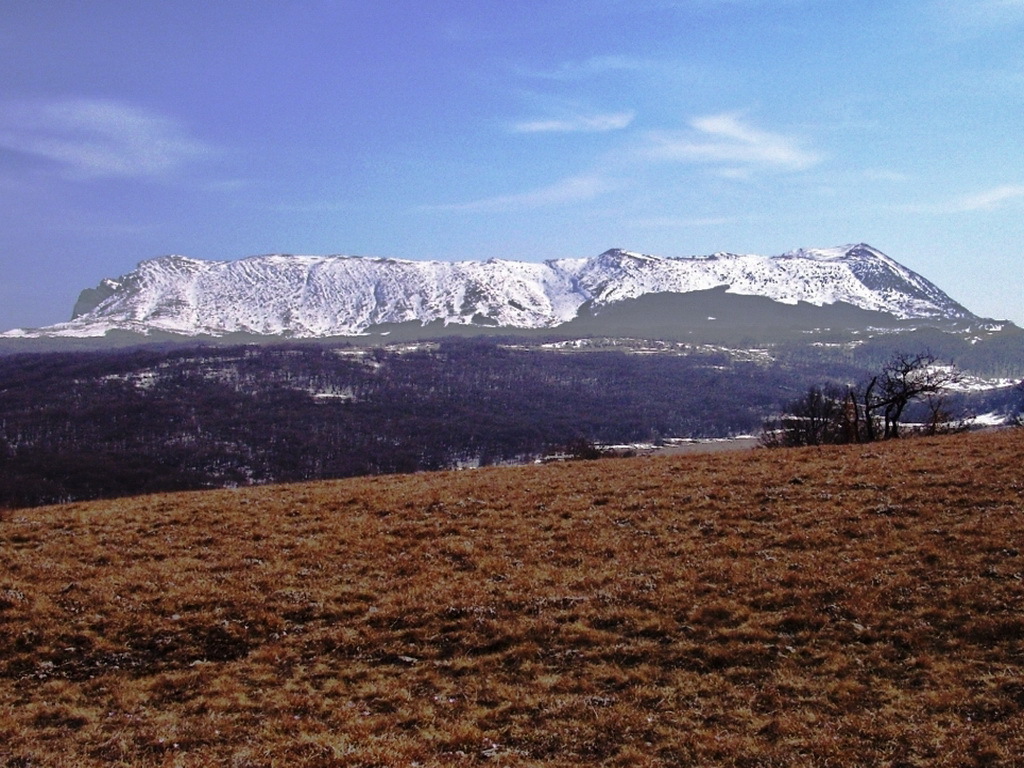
(101, 424)
(992, 355)
(918, 388)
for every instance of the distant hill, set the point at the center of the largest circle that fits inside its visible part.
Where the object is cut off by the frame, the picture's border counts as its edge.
(81, 425)
(346, 296)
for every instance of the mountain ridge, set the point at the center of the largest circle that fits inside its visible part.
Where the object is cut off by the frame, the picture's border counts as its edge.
(300, 296)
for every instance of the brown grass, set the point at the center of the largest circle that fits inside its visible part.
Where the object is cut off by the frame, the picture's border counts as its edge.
(817, 607)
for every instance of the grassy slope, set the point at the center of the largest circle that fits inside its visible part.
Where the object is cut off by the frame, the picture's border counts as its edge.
(840, 606)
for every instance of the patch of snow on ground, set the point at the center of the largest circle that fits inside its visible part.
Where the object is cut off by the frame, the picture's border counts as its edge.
(988, 420)
(969, 383)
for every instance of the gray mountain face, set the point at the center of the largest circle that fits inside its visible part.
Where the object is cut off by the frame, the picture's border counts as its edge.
(320, 296)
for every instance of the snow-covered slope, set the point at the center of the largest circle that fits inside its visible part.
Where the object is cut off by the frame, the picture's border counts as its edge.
(311, 296)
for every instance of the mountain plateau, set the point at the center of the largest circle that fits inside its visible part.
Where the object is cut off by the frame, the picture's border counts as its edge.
(348, 296)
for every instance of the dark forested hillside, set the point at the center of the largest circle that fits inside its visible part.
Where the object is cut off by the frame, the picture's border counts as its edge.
(100, 424)
(88, 425)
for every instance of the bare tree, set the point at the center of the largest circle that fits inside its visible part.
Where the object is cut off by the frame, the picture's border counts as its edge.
(903, 379)
(819, 417)
(1017, 415)
(828, 415)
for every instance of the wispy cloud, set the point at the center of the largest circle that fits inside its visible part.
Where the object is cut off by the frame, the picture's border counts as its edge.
(582, 123)
(94, 138)
(995, 10)
(594, 66)
(735, 148)
(966, 15)
(986, 200)
(1007, 81)
(885, 175)
(574, 189)
(674, 221)
(635, 6)
(992, 198)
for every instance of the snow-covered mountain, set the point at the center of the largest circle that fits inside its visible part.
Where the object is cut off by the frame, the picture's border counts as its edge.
(315, 296)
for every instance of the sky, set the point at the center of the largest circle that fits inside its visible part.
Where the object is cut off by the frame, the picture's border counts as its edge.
(477, 129)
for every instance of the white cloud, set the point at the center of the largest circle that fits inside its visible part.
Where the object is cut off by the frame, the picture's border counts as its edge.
(673, 221)
(596, 65)
(737, 149)
(986, 200)
(997, 9)
(93, 138)
(991, 198)
(977, 14)
(705, 5)
(573, 189)
(885, 174)
(610, 121)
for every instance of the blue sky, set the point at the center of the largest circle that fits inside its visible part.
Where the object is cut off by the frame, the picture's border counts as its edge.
(531, 130)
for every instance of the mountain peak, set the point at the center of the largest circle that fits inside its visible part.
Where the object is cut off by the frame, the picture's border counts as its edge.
(621, 253)
(315, 296)
(839, 252)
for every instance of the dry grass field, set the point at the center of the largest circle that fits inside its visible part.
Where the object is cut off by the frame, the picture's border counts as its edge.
(842, 606)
